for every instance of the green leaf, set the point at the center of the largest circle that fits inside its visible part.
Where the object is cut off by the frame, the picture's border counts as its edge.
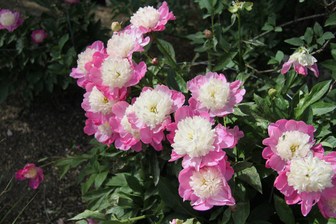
(241, 213)
(100, 179)
(320, 108)
(317, 92)
(308, 36)
(224, 61)
(250, 176)
(168, 51)
(331, 21)
(89, 214)
(283, 210)
(62, 41)
(295, 41)
(318, 29)
(226, 216)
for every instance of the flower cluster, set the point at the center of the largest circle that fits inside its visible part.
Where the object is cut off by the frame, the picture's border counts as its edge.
(306, 175)
(108, 73)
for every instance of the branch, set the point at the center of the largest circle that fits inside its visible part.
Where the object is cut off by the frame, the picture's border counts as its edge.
(261, 72)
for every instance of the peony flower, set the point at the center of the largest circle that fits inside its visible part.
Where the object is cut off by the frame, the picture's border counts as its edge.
(31, 172)
(118, 73)
(151, 113)
(301, 61)
(327, 202)
(207, 187)
(212, 93)
(99, 126)
(38, 36)
(288, 139)
(129, 137)
(124, 43)
(194, 139)
(149, 19)
(305, 180)
(89, 59)
(9, 20)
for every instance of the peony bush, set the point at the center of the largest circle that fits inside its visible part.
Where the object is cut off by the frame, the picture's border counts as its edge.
(240, 130)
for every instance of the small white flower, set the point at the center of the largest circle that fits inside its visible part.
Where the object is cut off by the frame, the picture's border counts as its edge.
(303, 57)
(120, 45)
(99, 103)
(214, 94)
(152, 107)
(127, 126)
(84, 58)
(116, 72)
(146, 17)
(7, 18)
(310, 174)
(194, 136)
(206, 183)
(293, 144)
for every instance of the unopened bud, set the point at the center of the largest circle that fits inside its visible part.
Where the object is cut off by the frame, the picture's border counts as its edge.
(155, 61)
(115, 26)
(207, 33)
(272, 92)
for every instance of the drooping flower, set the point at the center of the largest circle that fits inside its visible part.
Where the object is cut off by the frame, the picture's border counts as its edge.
(207, 187)
(288, 139)
(301, 61)
(212, 93)
(38, 36)
(129, 137)
(9, 20)
(31, 172)
(304, 181)
(195, 140)
(151, 113)
(88, 59)
(122, 44)
(149, 19)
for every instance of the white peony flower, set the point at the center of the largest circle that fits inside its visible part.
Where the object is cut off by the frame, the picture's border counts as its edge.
(310, 174)
(127, 126)
(99, 103)
(116, 72)
(206, 183)
(7, 19)
(214, 94)
(194, 136)
(147, 17)
(84, 58)
(120, 45)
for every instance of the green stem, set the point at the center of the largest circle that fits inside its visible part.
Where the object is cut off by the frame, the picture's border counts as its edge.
(24, 208)
(133, 219)
(240, 43)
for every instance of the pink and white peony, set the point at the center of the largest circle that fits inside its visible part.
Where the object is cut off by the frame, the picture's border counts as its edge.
(10, 20)
(38, 36)
(207, 187)
(195, 140)
(129, 137)
(33, 173)
(148, 19)
(327, 202)
(151, 113)
(123, 44)
(305, 180)
(301, 61)
(288, 139)
(92, 57)
(212, 93)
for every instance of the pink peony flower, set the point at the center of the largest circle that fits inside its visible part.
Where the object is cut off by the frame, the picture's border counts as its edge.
(9, 20)
(194, 139)
(305, 180)
(128, 138)
(149, 19)
(88, 60)
(38, 36)
(99, 126)
(301, 61)
(208, 186)
(327, 202)
(151, 113)
(288, 139)
(212, 93)
(31, 172)
(122, 44)
(71, 1)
